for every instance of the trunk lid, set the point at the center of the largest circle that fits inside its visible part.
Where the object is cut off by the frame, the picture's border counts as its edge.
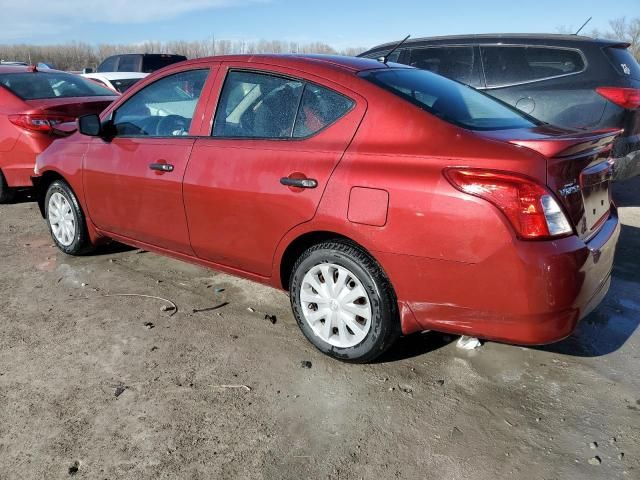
(73, 107)
(579, 171)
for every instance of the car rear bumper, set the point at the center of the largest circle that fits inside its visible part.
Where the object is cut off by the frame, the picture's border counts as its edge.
(527, 293)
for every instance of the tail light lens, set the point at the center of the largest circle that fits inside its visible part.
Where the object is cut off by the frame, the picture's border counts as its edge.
(39, 123)
(628, 98)
(531, 209)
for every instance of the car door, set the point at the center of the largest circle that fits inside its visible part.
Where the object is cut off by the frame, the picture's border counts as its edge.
(275, 141)
(543, 81)
(133, 181)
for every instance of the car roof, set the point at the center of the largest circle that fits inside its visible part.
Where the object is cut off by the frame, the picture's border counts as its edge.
(115, 75)
(340, 62)
(547, 38)
(26, 68)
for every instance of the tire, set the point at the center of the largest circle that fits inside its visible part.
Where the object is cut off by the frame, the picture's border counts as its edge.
(6, 194)
(359, 302)
(66, 220)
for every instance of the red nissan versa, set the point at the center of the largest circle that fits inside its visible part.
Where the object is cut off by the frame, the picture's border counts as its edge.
(385, 199)
(32, 104)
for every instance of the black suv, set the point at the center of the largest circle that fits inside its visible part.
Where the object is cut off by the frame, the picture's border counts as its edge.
(566, 80)
(138, 62)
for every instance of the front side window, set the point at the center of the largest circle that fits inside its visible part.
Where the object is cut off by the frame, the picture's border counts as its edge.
(457, 63)
(109, 65)
(505, 65)
(258, 105)
(451, 101)
(41, 85)
(163, 109)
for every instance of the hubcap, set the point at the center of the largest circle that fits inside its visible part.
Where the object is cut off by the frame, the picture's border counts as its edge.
(61, 219)
(335, 305)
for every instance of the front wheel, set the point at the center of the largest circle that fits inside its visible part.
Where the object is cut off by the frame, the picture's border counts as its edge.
(343, 302)
(66, 220)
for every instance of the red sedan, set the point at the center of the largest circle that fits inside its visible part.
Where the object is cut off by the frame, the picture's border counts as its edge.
(32, 104)
(385, 199)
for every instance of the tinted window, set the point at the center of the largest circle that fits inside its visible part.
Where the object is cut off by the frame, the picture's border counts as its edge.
(34, 86)
(623, 62)
(255, 105)
(449, 100)
(164, 108)
(151, 63)
(129, 63)
(457, 63)
(320, 107)
(124, 84)
(508, 65)
(109, 65)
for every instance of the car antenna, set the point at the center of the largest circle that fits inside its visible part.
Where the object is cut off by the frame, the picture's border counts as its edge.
(583, 25)
(385, 59)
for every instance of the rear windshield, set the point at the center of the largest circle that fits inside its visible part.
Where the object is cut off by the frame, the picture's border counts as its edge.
(623, 62)
(40, 85)
(451, 101)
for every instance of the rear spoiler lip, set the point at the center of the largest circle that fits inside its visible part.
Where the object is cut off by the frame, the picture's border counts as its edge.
(571, 144)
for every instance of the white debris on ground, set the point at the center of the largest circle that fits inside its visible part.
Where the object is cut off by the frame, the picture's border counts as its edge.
(468, 343)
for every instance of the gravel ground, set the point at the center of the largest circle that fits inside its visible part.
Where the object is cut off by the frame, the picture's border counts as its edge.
(115, 387)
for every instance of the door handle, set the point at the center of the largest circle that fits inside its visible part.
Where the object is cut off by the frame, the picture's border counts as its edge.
(161, 167)
(299, 182)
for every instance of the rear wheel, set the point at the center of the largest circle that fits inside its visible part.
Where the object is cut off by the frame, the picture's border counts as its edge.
(66, 220)
(343, 302)
(6, 194)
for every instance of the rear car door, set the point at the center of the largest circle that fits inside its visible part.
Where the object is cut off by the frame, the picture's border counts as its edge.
(275, 140)
(545, 82)
(133, 181)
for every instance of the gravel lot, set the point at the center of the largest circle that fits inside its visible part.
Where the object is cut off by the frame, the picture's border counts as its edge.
(114, 387)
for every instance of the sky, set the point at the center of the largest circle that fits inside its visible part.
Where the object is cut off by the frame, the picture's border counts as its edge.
(340, 23)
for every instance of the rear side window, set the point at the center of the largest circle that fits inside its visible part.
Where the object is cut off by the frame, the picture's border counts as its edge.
(259, 105)
(129, 63)
(623, 62)
(151, 63)
(320, 107)
(41, 85)
(451, 101)
(506, 65)
(457, 63)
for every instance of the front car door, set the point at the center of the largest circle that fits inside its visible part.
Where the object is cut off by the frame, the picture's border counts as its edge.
(274, 143)
(133, 181)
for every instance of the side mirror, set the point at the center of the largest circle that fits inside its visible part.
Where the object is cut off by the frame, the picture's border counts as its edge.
(90, 125)
(87, 70)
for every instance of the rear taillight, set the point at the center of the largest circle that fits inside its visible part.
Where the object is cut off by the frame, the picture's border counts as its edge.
(628, 98)
(531, 209)
(39, 123)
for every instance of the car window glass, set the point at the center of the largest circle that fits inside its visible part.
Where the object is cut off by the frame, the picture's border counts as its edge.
(257, 105)
(508, 65)
(448, 100)
(109, 65)
(320, 107)
(457, 63)
(40, 85)
(129, 63)
(151, 63)
(164, 108)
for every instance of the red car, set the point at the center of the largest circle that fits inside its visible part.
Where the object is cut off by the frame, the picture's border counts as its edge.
(32, 104)
(385, 199)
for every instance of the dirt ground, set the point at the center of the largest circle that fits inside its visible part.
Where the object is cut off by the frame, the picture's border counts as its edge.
(113, 387)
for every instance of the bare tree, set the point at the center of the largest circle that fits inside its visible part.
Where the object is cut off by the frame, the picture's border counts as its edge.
(78, 55)
(628, 31)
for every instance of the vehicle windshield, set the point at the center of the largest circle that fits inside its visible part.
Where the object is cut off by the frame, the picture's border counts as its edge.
(451, 101)
(41, 85)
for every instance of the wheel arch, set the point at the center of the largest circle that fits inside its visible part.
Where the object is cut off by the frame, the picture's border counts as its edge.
(306, 240)
(42, 185)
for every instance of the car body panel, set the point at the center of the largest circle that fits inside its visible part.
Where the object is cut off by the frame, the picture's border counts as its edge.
(453, 259)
